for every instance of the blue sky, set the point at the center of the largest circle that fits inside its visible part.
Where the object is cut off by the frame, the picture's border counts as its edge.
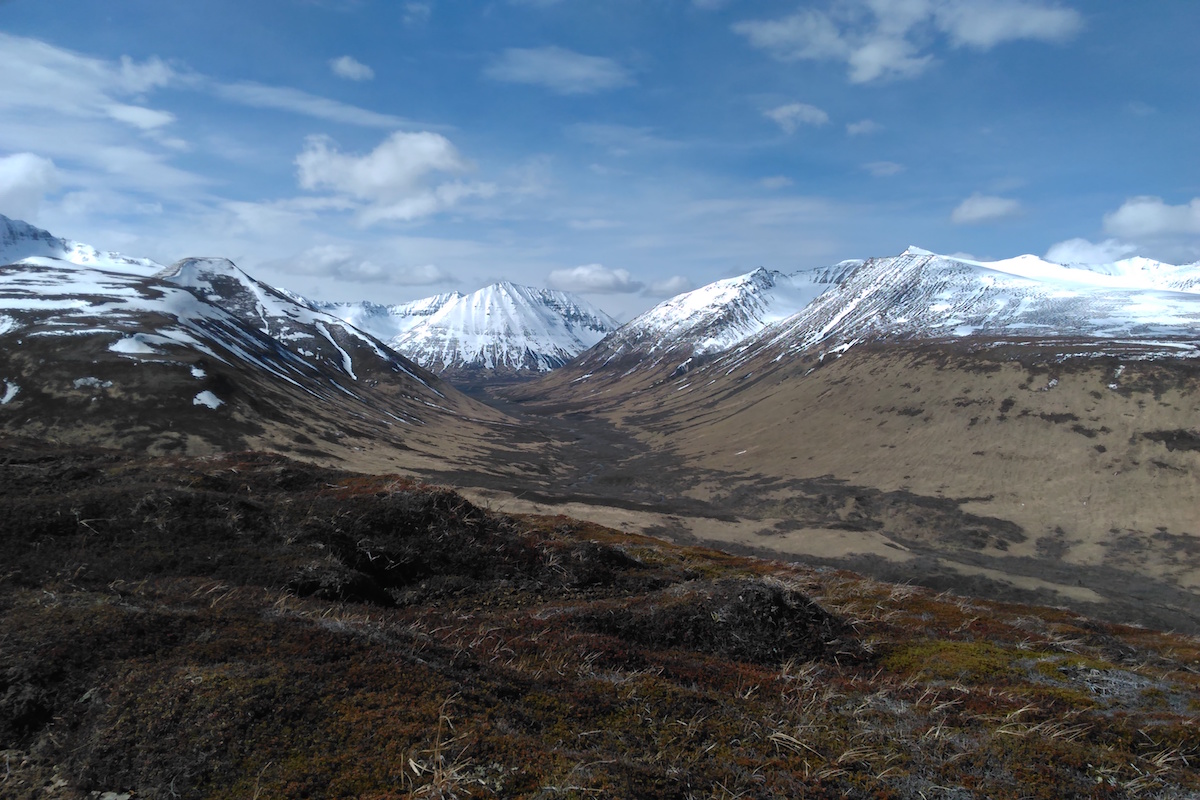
(623, 149)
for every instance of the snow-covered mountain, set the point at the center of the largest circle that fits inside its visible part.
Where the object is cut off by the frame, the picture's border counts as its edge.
(712, 319)
(919, 294)
(20, 241)
(501, 330)
(192, 356)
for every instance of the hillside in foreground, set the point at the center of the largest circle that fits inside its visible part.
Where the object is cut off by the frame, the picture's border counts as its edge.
(249, 626)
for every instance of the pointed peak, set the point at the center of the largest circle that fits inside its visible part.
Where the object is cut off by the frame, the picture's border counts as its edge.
(913, 250)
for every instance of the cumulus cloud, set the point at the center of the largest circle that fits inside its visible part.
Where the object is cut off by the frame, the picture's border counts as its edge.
(1150, 217)
(351, 69)
(884, 169)
(674, 285)
(25, 179)
(394, 168)
(888, 39)
(793, 115)
(863, 127)
(393, 181)
(1082, 251)
(559, 70)
(980, 208)
(594, 279)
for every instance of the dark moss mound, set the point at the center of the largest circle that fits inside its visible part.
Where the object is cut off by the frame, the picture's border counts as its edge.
(748, 620)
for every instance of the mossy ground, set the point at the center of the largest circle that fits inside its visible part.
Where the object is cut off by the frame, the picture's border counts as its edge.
(247, 626)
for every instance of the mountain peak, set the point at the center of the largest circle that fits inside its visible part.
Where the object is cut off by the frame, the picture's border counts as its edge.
(505, 327)
(20, 241)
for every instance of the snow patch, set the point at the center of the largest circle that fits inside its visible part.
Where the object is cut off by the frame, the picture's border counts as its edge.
(135, 345)
(91, 383)
(198, 373)
(10, 393)
(207, 398)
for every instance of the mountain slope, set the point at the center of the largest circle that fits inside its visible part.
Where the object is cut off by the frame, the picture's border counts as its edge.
(201, 357)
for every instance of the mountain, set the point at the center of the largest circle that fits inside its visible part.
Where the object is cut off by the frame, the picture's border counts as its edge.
(919, 294)
(687, 329)
(1019, 428)
(200, 356)
(19, 240)
(501, 331)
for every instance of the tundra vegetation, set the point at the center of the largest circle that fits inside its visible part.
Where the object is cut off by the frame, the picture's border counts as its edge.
(250, 626)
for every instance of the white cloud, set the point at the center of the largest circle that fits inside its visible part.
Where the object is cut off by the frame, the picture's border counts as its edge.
(393, 169)
(594, 279)
(863, 127)
(776, 182)
(987, 23)
(884, 169)
(1082, 251)
(417, 13)
(559, 70)
(393, 179)
(351, 69)
(1139, 109)
(283, 98)
(793, 115)
(979, 208)
(146, 119)
(343, 263)
(25, 179)
(674, 285)
(1152, 217)
(888, 39)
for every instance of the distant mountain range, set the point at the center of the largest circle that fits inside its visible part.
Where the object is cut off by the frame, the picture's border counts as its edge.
(915, 295)
(506, 330)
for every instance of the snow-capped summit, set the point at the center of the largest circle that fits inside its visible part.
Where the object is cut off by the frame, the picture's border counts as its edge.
(714, 318)
(20, 241)
(919, 294)
(505, 328)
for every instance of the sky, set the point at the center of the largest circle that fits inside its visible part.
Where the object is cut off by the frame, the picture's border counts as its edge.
(625, 150)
